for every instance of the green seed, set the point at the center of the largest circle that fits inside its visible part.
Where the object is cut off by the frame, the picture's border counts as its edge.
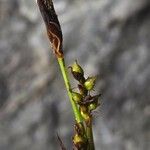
(85, 115)
(92, 106)
(76, 97)
(79, 141)
(77, 68)
(90, 83)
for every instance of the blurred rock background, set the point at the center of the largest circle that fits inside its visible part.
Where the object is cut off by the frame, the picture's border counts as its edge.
(110, 38)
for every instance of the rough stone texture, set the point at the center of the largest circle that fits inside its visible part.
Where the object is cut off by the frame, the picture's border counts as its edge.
(109, 38)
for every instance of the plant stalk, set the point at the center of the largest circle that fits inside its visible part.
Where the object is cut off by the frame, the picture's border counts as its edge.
(89, 133)
(76, 111)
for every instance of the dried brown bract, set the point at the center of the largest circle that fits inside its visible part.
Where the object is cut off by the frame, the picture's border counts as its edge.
(52, 25)
(61, 143)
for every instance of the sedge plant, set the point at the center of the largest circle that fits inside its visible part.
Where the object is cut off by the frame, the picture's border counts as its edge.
(82, 101)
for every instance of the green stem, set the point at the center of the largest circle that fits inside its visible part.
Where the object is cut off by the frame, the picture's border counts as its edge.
(77, 114)
(89, 133)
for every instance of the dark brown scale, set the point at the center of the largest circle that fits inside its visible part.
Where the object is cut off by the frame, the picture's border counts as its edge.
(79, 77)
(90, 99)
(82, 90)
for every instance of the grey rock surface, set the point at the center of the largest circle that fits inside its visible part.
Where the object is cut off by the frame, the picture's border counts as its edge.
(109, 38)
